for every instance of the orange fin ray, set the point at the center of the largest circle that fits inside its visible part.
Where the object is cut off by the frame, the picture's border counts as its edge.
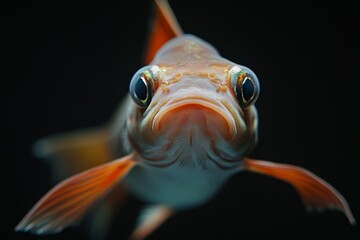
(316, 193)
(68, 201)
(164, 27)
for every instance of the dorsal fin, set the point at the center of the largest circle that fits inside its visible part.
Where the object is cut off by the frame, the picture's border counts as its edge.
(164, 27)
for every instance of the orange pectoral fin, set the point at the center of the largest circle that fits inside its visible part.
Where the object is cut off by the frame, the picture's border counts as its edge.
(164, 27)
(315, 192)
(67, 202)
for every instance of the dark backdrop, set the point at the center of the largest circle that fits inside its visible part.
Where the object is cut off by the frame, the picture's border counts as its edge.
(66, 66)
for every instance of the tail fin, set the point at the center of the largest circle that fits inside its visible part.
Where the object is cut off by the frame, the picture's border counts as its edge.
(71, 153)
(315, 192)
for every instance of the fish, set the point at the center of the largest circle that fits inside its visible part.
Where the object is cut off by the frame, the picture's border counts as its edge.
(188, 124)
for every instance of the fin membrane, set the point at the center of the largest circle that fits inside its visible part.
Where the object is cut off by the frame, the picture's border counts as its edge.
(67, 202)
(150, 219)
(74, 152)
(103, 214)
(314, 191)
(164, 27)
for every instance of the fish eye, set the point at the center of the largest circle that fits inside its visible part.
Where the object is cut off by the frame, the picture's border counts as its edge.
(141, 88)
(245, 85)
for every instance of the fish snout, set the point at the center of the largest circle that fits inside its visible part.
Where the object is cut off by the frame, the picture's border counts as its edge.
(196, 112)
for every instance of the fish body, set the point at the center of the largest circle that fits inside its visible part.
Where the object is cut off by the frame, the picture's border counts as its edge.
(188, 124)
(181, 162)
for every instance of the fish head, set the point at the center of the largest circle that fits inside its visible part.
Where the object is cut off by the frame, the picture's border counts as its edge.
(193, 104)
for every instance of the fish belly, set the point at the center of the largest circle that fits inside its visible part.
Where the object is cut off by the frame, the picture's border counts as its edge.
(178, 187)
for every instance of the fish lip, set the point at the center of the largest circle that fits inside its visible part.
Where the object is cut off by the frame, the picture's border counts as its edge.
(212, 104)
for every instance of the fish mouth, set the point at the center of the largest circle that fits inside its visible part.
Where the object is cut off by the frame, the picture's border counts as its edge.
(199, 111)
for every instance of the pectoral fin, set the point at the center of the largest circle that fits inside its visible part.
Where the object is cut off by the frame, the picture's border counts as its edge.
(315, 192)
(67, 202)
(164, 27)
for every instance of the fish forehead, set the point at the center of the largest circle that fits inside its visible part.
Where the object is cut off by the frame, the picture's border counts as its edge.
(191, 68)
(191, 56)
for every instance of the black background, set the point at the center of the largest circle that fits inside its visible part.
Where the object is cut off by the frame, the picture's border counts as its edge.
(66, 66)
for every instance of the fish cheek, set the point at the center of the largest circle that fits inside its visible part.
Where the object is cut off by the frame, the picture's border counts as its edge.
(248, 134)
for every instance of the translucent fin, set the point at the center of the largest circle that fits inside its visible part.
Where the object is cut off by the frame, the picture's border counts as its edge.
(67, 202)
(73, 152)
(164, 27)
(150, 219)
(315, 192)
(103, 214)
